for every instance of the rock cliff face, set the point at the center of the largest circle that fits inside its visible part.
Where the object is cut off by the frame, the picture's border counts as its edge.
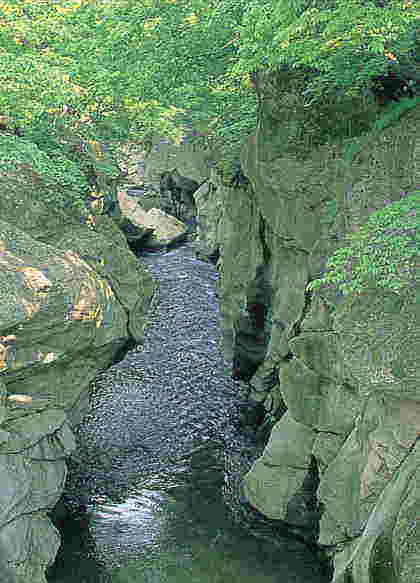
(345, 369)
(71, 297)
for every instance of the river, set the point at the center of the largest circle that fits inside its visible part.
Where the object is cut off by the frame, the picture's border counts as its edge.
(161, 452)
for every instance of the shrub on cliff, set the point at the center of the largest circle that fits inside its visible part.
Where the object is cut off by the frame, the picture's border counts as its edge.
(383, 253)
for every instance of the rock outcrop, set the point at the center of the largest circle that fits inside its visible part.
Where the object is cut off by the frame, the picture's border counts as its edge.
(345, 368)
(337, 376)
(71, 298)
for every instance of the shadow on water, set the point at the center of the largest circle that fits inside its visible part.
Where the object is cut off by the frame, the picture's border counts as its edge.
(76, 559)
(159, 501)
(181, 536)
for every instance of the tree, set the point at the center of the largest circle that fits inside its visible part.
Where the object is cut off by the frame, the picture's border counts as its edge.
(121, 70)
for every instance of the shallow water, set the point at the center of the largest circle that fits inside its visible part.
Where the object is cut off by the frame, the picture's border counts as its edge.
(161, 454)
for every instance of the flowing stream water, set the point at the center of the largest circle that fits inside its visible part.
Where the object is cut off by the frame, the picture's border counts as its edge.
(161, 453)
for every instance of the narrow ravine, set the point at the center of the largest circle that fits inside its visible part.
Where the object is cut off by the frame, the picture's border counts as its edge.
(161, 452)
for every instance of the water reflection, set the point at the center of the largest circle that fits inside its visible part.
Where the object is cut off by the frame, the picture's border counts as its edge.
(140, 521)
(185, 535)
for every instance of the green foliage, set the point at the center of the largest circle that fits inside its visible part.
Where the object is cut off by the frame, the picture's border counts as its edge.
(143, 58)
(133, 59)
(63, 182)
(394, 112)
(344, 41)
(391, 115)
(381, 253)
(134, 69)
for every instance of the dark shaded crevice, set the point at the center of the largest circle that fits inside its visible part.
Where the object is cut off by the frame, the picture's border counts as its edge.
(212, 257)
(252, 334)
(124, 347)
(306, 533)
(177, 195)
(239, 179)
(76, 557)
(135, 244)
(264, 430)
(296, 328)
(243, 369)
(327, 432)
(266, 249)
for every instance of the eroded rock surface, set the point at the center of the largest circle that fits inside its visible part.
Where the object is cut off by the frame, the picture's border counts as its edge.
(345, 368)
(71, 297)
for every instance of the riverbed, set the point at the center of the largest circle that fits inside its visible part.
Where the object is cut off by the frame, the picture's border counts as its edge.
(161, 453)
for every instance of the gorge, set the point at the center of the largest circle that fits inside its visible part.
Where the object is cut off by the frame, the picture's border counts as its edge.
(329, 446)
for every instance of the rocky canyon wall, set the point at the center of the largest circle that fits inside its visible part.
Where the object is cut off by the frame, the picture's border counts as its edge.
(338, 375)
(71, 297)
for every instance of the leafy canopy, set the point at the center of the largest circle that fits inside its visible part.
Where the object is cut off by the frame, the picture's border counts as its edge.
(120, 70)
(344, 42)
(146, 63)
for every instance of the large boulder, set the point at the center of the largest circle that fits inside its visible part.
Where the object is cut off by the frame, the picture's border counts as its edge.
(159, 228)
